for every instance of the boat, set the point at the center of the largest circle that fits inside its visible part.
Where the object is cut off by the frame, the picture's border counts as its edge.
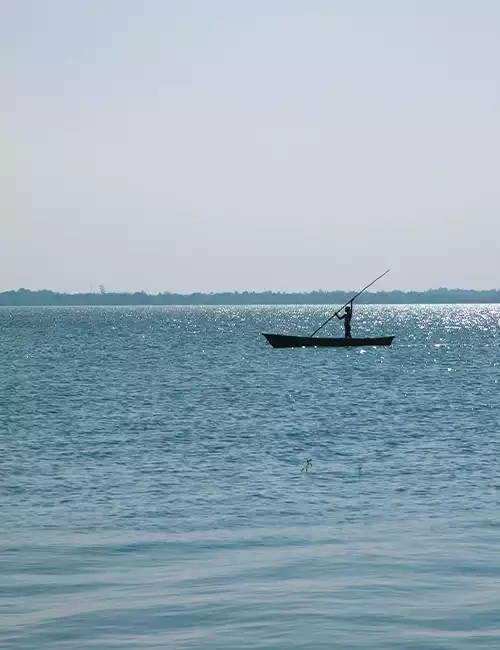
(288, 341)
(312, 341)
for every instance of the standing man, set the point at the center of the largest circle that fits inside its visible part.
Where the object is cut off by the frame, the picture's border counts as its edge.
(346, 317)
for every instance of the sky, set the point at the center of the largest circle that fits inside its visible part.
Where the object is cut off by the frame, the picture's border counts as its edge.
(288, 145)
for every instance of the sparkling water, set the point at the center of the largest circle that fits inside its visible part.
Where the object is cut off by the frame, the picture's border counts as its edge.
(154, 491)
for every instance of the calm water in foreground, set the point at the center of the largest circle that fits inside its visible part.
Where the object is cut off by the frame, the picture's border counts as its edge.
(152, 493)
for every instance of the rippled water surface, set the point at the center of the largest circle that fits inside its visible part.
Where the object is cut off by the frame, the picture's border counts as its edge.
(152, 493)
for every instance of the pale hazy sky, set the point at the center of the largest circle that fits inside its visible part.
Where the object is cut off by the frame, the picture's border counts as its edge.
(255, 144)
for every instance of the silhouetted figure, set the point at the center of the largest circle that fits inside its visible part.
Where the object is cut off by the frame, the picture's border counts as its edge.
(346, 317)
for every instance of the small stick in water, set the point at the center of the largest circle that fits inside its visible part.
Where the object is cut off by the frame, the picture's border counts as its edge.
(307, 465)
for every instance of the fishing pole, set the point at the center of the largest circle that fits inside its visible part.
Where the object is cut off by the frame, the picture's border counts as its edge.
(349, 301)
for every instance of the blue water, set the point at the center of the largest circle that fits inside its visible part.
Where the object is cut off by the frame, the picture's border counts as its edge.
(152, 493)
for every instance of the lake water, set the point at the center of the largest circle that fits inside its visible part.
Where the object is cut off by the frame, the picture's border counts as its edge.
(152, 493)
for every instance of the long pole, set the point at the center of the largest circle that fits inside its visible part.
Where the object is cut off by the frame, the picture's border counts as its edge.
(348, 302)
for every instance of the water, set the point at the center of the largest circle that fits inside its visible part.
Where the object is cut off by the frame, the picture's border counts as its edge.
(152, 493)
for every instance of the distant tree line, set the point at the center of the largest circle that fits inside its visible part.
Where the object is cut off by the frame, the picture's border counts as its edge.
(25, 297)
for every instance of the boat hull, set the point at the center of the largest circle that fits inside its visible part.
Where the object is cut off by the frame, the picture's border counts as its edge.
(286, 341)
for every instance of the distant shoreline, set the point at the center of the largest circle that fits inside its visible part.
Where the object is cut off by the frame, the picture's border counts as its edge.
(46, 298)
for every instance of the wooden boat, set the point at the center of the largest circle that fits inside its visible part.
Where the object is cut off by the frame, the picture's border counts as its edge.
(287, 341)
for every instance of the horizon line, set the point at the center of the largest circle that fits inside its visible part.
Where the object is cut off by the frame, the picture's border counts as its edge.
(239, 292)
